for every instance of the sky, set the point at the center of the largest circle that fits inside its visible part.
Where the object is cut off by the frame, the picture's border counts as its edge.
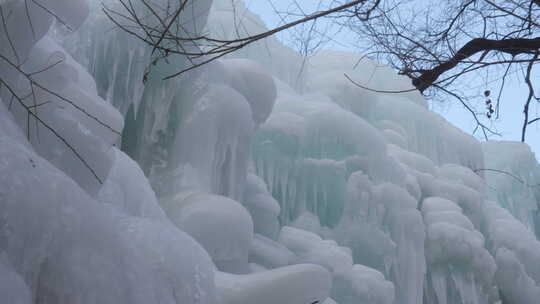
(508, 124)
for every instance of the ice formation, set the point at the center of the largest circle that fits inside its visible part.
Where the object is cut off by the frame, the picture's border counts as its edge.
(259, 178)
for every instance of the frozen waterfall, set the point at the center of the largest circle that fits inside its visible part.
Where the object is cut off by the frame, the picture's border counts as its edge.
(254, 179)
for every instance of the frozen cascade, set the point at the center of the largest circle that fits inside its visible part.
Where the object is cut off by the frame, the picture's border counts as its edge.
(406, 114)
(67, 239)
(255, 179)
(461, 269)
(516, 251)
(516, 189)
(307, 153)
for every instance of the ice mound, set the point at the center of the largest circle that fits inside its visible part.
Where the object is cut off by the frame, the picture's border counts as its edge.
(254, 83)
(310, 248)
(303, 283)
(269, 253)
(264, 209)
(362, 284)
(307, 221)
(221, 225)
(65, 236)
(350, 283)
(127, 189)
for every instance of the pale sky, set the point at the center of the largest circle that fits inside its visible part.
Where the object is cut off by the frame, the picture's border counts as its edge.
(509, 123)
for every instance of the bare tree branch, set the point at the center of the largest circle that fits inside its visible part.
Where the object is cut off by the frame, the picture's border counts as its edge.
(161, 39)
(510, 46)
(444, 45)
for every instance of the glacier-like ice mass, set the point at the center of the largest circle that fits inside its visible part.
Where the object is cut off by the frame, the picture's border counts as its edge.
(254, 179)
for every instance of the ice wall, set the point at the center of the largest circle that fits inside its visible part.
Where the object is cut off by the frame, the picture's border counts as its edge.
(425, 132)
(231, 19)
(261, 177)
(70, 236)
(191, 132)
(356, 167)
(513, 176)
(88, 228)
